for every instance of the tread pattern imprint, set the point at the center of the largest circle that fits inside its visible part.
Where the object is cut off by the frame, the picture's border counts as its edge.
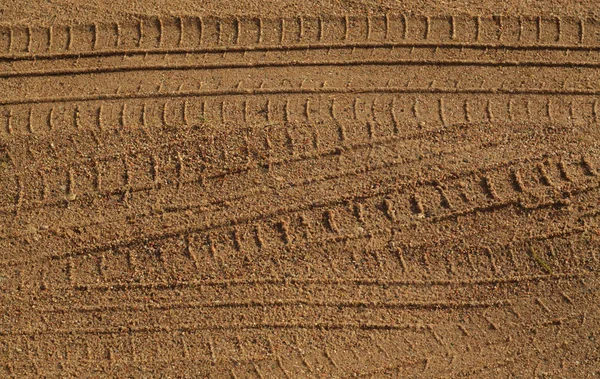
(382, 196)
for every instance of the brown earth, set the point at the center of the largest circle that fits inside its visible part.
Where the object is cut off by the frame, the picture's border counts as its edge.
(299, 190)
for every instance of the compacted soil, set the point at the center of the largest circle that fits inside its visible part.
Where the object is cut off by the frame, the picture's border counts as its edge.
(282, 191)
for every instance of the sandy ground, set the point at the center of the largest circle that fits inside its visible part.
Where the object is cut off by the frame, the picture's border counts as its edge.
(299, 189)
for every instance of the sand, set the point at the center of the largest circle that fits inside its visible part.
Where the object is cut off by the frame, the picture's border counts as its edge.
(299, 190)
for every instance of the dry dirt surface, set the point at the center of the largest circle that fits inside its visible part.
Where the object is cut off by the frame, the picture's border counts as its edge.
(371, 193)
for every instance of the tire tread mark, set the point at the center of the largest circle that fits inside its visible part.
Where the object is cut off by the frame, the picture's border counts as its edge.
(216, 327)
(297, 63)
(316, 91)
(415, 305)
(170, 285)
(283, 225)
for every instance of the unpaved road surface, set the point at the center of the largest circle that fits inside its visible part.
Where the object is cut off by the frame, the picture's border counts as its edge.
(343, 194)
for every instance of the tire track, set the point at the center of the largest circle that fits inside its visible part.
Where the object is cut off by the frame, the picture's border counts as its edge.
(321, 204)
(294, 91)
(293, 64)
(28, 42)
(343, 195)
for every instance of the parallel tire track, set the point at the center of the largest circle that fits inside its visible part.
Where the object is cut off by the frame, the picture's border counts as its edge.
(340, 196)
